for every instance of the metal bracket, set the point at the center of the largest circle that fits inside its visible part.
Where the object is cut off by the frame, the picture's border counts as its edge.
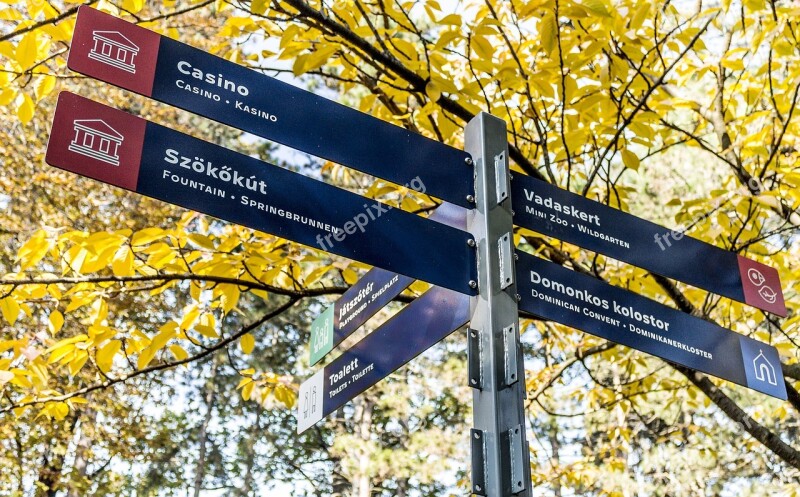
(510, 355)
(517, 459)
(478, 462)
(505, 245)
(474, 359)
(501, 175)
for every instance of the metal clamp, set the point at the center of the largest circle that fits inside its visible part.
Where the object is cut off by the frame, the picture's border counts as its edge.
(518, 459)
(478, 461)
(501, 176)
(505, 246)
(475, 371)
(510, 355)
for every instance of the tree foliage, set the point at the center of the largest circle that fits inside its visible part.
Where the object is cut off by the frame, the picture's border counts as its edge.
(682, 113)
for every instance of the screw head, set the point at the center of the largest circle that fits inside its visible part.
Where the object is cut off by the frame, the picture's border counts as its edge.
(468, 161)
(516, 257)
(519, 297)
(473, 284)
(471, 242)
(478, 488)
(471, 199)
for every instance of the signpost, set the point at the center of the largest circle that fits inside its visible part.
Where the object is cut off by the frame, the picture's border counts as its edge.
(579, 301)
(136, 59)
(552, 211)
(476, 274)
(117, 148)
(367, 296)
(421, 324)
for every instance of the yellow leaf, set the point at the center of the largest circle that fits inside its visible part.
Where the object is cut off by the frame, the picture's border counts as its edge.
(60, 410)
(189, 317)
(133, 5)
(10, 309)
(597, 7)
(147, 235)
(25, 109)
(77, 363)
(433, 91)
(178, 352)
(247, 391)
(105, 356)
(548, 32)
(482, 47)
(33, 250)
(248, 343)
(27, 50)
(230, 297)
(145, 357)
(630, 160)
(45, 86)
(316, 59)
(56, 322)
(122, 265)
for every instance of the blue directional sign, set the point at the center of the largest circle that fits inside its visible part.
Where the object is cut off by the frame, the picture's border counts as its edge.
(177, 74)
(420, 325)
(552, 211)
(558, 294)
(97, 141)
(369, 295)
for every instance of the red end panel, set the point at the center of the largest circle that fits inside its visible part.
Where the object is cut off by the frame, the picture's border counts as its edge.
(96, 141)
(114, 51)
(762, 286)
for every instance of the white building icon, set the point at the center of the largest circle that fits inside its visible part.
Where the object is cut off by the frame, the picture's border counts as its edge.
(96, 139)
(764, 370)
(114, 49)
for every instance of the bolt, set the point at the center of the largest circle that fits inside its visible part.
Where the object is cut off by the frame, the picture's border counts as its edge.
(512, 212)
(516, 257)
(473, 284)
(477, 435)
(471, 242)
(468, 161)
(477, 488)
(474, 381)
(470, 199)
(518, 297)
(510, 176)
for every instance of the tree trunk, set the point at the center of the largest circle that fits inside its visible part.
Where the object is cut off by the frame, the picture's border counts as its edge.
(362, 486)
(202, 438)
(53, 461)
(82, 455)
(250, 455)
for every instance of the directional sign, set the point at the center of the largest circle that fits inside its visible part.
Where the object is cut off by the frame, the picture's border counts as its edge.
(550, 210)
(112, 146)
(136, 59)
(420, 325)
(558, 294)
(369, 295)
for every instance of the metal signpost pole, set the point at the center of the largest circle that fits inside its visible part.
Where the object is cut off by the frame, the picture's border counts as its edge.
(500, 456)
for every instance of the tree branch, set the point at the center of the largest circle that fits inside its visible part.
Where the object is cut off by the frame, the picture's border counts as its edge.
(733, 411)
(158, 367)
